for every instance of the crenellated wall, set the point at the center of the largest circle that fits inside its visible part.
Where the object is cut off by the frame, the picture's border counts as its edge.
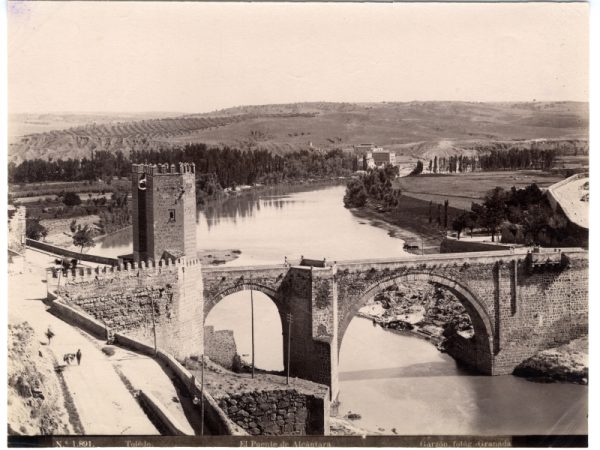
(142, 298)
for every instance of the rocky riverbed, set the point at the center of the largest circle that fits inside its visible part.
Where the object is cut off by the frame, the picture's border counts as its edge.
(419, 308)
(567, 363)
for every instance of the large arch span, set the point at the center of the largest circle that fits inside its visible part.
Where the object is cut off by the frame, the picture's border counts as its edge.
(479, 348)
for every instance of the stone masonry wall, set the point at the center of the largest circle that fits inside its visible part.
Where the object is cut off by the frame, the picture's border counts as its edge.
(132, 299)
(277, 412)
(220, 346)
(169, 217)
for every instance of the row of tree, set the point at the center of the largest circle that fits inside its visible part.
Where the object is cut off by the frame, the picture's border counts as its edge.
(230, 166)
(514, 159)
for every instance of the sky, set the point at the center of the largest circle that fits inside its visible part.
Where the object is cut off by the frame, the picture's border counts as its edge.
(198, 57)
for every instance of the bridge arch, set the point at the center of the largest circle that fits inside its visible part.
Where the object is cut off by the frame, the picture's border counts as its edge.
(232, 313)
(476, 352)
(245, 286)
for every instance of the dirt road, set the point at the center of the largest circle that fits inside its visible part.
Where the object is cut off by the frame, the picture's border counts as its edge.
(103, 403)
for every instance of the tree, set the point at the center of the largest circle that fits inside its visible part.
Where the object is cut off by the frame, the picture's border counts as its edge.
(356, 194)
(471, 221)
(418, 169)
(446, 203)
(430, 206)
(494, 210)
(34, 229)
(71, 199)
(83, 237)
(461, 222)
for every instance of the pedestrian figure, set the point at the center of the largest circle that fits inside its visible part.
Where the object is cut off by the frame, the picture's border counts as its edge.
(49, 334)
(78, 355)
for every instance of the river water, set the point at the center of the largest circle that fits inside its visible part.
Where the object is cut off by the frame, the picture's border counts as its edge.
(396, 382)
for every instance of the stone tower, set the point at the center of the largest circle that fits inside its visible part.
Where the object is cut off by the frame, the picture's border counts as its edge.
(164, 211)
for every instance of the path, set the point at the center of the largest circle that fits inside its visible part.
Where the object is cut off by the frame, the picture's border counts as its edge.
(103, 403)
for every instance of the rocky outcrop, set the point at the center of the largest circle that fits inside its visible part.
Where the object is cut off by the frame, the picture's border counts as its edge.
(422, 309)
(36, 405)
(568, 363)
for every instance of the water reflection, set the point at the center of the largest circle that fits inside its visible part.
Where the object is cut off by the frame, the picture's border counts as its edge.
(238, 208)
(398, 381)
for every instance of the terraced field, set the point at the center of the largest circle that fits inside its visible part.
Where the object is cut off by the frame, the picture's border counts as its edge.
(413, 129)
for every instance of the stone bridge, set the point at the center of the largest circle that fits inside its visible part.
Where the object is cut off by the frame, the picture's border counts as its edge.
(519, 302)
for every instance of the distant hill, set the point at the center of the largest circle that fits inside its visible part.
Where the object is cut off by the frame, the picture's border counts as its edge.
(413, 129)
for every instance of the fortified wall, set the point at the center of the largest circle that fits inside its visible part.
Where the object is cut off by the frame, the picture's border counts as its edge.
(141, 299)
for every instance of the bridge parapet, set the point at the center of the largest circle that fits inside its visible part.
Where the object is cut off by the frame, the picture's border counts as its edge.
(450, 258)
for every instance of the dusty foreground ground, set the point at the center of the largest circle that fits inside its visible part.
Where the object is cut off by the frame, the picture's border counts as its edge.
(98, 395)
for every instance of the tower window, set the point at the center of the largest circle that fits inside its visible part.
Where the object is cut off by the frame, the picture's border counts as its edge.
(171, 215)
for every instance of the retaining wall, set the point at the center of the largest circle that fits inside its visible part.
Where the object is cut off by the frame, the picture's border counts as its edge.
(459, 246)
(218, 421)
(284, 412)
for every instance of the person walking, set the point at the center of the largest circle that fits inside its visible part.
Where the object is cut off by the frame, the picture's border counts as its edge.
(78, 356)
(49, 334)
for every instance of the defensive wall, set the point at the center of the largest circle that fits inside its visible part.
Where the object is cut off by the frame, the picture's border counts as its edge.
(143, 300)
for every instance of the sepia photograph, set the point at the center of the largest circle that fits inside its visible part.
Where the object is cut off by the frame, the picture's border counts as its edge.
(305, 224)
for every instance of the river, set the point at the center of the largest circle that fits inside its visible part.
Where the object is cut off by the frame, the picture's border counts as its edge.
(394, 381)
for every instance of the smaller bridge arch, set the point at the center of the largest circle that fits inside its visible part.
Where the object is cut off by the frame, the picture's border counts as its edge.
(476, 352)
(244, 286)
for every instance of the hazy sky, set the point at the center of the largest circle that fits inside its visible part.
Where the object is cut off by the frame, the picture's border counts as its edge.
(197, 57)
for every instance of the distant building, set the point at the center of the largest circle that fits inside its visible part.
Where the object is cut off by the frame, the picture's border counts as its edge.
(371, 156)
(382, 157)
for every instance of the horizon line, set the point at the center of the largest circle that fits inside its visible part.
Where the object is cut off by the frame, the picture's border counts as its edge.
(291, 103)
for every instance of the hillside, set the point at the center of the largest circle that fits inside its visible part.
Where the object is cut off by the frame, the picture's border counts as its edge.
(413, 129)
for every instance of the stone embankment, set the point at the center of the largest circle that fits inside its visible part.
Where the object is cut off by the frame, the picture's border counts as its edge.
(419, 308)
(266, 405)
(568, 363)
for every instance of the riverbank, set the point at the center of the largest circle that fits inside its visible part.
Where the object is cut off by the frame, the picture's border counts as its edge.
(409, 221)
(566, 363)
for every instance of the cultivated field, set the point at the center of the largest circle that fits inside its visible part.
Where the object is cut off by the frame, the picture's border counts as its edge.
(463, 189)
(413, 129)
